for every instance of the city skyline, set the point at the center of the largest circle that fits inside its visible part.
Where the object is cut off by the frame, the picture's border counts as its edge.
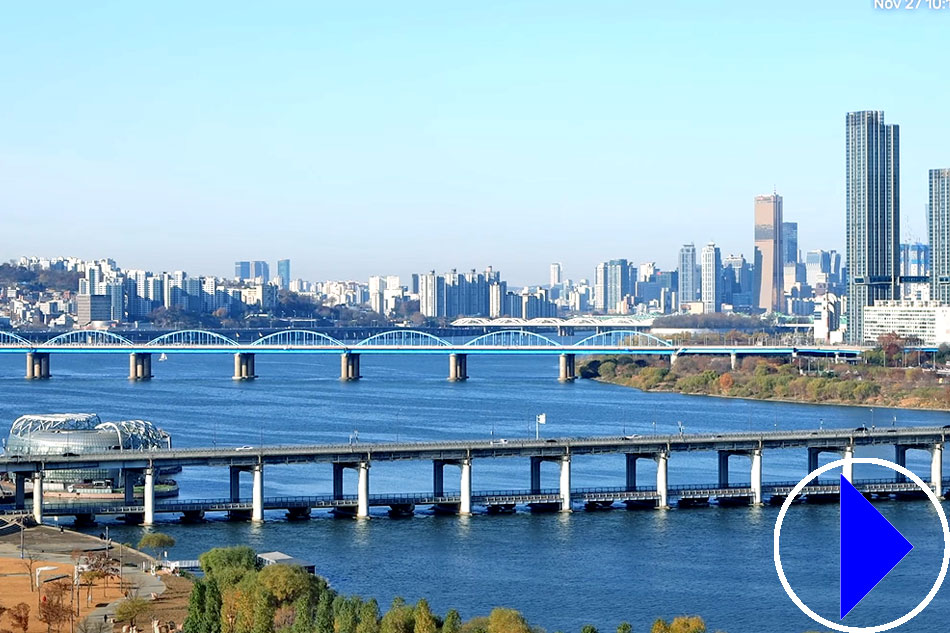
(541, 132)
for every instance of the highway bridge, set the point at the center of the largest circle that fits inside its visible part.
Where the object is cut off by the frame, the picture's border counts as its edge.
(402, 341)
(463, 454)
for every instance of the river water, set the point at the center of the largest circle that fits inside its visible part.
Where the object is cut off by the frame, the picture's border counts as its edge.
(561, 571)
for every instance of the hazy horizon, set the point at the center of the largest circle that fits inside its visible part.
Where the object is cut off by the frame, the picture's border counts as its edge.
(389, 139)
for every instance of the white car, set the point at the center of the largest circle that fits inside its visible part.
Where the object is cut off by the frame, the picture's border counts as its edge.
(244, 448)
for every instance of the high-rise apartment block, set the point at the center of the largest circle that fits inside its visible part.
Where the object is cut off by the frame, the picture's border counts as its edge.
(938, 226)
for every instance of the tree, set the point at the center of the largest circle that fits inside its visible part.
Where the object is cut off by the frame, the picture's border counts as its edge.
(194, 621)
(424, 620)
(453, 622)
(589, 628)
(219, 558)
(156, 542)
(285, 582)
(502, 620)
(624, 628)
(324, 619)
(130, 609)
(369, 617)
(264, 612)
(29, 563)
(20, 614)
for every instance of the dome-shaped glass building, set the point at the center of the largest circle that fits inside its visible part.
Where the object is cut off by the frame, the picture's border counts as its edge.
(82, 433)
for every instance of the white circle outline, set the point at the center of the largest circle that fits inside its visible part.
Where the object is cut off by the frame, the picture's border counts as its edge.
(880, 627)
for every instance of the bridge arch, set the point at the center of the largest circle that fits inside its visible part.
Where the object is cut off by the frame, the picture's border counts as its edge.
(191, 337)
(9, 338)
(298, 338)
(414, 338)
(511, 338)
(623, 338)
(89, 337)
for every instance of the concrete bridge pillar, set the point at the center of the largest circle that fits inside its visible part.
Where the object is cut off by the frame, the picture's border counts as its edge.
(149, 497)
(673, 358)
(756, 478)
(458, 367)
(38, 496)
(438, 477)
(140, 366)
(536, 475)
(349, 366)
(848, 469)
(661, 479)
(734, 360)
(566, 484)
(936, 469)
(631, 470)
(244, 366)
(567, 372)
(19, 491)
(813, 454)
(257, 494)
(37, 365)
(234, 476)
(338, 481)
(362, 491)
(900, 458)
(128, 486)
(723, 469)
(465, 507)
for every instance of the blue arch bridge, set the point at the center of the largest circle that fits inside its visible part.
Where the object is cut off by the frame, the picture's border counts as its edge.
(402, 341)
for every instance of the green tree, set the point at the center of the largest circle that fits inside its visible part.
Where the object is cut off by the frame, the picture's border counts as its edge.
(130, 609)
(195, 620)
(219, 558)
(212, 612)
(502, 620)
(304, 614)
(424, 620)
(589, 628)
(369, 617)
(285, 582)
(624, 628)
(453, 622)
(264, 610)
(399, 618)
(324, 619)
(156, 542)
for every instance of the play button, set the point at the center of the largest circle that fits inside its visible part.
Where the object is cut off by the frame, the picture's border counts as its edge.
(870, 547)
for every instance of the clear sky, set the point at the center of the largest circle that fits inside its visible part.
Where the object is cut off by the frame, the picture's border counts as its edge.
(362, 138)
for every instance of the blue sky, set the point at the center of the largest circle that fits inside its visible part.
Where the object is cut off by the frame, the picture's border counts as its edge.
(364, 138)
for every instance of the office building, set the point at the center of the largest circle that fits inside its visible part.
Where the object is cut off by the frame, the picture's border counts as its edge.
(739, 279)
(789, 242)
(817, 264)
(712, 278)
(687, 279)
(872, 194)
(91, 308)
(915, 279)
(769, 265)
(283, 273)
(555, 278)
(938, 226)
(254, 270)
(921, 322)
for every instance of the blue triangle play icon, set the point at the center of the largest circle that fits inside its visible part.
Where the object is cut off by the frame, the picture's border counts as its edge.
(870, 547)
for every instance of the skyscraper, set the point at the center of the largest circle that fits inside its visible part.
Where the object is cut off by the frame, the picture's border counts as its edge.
(938, 225)
(555, 274)
(768, 264)
(712, 278)
(612, 283)
(688, 284)
(789, 242)
(872, 194)
(283, 272)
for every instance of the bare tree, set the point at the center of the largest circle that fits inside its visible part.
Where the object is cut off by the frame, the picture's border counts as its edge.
(29, 563)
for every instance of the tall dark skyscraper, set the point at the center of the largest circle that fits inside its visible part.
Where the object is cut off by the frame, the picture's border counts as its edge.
(769, 266)
(938, 225)
(283, 271)
(789, 242)
(872, 193)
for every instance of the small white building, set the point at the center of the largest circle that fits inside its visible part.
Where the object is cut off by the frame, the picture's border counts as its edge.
(927, 321)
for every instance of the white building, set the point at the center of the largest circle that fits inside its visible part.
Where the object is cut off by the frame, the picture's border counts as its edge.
(927, 321)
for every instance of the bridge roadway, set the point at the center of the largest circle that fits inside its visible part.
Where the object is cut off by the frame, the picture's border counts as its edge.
(462, 454)
(403, 342)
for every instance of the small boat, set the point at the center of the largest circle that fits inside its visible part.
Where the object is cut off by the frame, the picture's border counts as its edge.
(164, 356)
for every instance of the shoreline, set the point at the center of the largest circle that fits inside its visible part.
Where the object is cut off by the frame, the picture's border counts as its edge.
(602, 380)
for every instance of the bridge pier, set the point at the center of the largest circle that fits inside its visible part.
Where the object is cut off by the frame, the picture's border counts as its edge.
(37, 365)
(128, 487)
(465, 505)
(936, 469)
(724, 469)
(19, 491)
(536, 475)
(140, 366)
(662, 487)
(234, 479)
(566, 484)
(567, 372)
(673, 358)
(848, 469)
(900, 458)
(257, 493)
(349, 366)
(846, 452)
(149, 497)
(362, 491)
(244, 366)
(38, 496)
(631, 469)
(458, 367)
(756, 477)
(734, 360)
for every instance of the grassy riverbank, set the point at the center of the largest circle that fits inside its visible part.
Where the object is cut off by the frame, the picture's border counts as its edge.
(776, 379)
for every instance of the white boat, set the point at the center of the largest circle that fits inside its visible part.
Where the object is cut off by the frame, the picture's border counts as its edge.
(164, 356)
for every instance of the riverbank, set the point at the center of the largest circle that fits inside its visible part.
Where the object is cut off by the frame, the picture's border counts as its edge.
(777, 380)
(45, 546)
